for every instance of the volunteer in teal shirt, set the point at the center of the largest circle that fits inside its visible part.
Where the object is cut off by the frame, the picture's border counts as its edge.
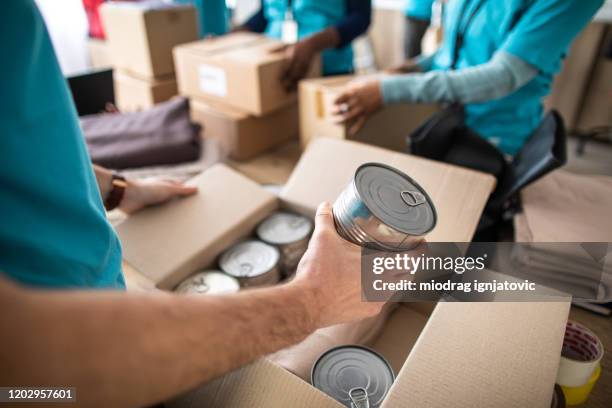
(418, 16)
(53, 228)
(510, 53)
(325, 27)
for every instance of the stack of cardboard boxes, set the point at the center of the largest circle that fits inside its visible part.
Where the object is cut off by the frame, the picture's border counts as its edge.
(140, 38)
(234, 86)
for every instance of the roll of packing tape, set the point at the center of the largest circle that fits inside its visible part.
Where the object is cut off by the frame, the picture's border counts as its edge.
(580, 356)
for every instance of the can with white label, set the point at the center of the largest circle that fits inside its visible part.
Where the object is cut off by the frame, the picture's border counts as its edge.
(253, 263)
(383, 208)
(290, 234)
(355, 376)
(208, 282)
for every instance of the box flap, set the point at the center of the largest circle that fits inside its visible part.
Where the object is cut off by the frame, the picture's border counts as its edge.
(459, 194)
(168, 242)
(484, 355)
(218, 109)
(223, 45)
(261, 384)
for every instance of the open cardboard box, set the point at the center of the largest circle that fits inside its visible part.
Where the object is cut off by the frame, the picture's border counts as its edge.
(459, 354)
(386, 128)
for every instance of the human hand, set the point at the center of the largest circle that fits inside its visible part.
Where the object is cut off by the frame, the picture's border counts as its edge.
(299, 60)
(142, 193)
(360, 99)
(329, 275)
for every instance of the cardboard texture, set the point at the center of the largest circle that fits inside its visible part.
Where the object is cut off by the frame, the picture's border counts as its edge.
(571, 84)
(476, 355)
(387, 128)
(243, 136)
(597, 107)
(239, 70)
(133, 93)
(141, 38)
(459, 194)
(99, 53)
(168, 243)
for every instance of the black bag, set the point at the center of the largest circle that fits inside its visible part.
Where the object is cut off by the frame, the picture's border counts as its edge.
(445, 137)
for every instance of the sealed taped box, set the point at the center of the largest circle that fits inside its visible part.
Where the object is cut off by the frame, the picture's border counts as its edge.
(135, 94)
(386, 128)
(242, 135)
(141, 36)
(481, 354)
(241, 70)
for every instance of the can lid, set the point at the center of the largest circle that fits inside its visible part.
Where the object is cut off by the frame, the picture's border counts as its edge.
(249, 259)
(396, 199)
(208, 282)
(284, 228)
(345, 368)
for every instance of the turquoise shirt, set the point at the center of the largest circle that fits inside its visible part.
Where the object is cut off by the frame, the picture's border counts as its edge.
(419, 9)
(312, 16)
(53, 228)
(537, 31)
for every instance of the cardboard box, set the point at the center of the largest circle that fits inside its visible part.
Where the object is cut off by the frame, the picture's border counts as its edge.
(169, 242)
(134, 94)
(238, 70)
(99, 54)
(480, 354)
(141, 36)
(387, 128)
(596, 109)
(241, 135)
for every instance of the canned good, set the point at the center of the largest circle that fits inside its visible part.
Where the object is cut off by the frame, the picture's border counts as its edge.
(253, 263)
(383, 208)
(289, 233)
(355, 376)
(208, 283)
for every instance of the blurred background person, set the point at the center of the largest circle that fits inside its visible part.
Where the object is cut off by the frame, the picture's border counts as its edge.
(497, 59)
(418, 17)
(313, 27)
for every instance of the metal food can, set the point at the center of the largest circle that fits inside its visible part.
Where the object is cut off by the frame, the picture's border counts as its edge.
(355, 376)
(290, 234)
(384, 209)
(253, 263)
(208, 283)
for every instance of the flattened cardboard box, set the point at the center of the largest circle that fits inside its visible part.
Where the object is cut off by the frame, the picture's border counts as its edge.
(134, 94)
(242, 135)
(387, 128)
(141, 37)
(239, 70)
(462, 354)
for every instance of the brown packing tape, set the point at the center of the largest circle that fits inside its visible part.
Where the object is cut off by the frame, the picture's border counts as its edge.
(320, 108)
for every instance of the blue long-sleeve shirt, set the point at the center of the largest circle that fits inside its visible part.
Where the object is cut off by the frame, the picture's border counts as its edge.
(356, 21)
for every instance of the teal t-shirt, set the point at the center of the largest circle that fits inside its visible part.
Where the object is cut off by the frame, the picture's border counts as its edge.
(419, 9)
(537, 31)
(53, 228)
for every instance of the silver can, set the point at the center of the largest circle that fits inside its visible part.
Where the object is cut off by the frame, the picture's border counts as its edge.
(290, 234)
(383, 208)
(355, 376)
(208, 283)
(253, 263)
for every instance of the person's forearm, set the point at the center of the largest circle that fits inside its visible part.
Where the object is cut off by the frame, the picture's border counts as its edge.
(355, 22)
(133, 350)
(497, 78)
(104, 178)
(328, 38)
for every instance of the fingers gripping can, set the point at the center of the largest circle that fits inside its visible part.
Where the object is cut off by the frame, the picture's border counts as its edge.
(208, 283)
(289, 233)
(253, 263)
(355, 376)
(383, 208)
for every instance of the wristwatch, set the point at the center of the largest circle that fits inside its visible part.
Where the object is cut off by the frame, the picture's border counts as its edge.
(115, 195)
